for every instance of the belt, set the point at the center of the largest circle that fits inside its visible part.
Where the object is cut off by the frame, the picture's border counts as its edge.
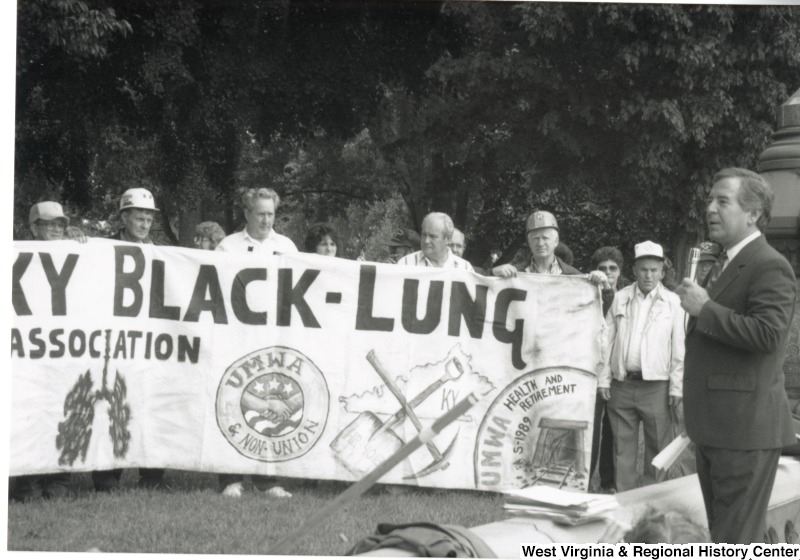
(633, 376)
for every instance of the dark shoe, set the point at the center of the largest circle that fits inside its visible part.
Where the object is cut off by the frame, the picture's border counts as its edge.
(263, 483)
(154, 484)
(106, 481)
(55, 490)
(397, 489)
(26, 489)
(55, 485)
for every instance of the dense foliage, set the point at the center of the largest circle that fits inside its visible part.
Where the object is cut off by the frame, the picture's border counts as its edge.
(369, 115)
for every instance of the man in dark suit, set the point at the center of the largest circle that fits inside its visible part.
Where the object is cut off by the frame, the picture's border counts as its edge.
(735, 404)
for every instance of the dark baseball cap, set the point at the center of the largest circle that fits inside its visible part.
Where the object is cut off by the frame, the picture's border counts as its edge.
(709, 250)
(404, 237)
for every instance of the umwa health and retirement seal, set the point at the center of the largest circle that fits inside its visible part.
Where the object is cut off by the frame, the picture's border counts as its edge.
(537, 431)
(272, 404)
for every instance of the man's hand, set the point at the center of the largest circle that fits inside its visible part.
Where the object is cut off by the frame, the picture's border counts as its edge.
(76, 234)
(505, 271)
(599, 278)
(605, 392)
(693, 297)
(674, 402)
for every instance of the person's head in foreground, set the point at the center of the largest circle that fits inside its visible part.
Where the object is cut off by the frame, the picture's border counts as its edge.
(669, 527)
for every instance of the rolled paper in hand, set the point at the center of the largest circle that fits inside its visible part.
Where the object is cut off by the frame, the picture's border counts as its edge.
(693, 261)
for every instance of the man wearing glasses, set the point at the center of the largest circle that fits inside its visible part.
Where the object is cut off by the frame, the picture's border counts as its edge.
(48, 223)
(607, 260)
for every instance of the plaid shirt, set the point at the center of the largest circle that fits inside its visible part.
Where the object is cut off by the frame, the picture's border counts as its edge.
(554, 268)
(452, 261)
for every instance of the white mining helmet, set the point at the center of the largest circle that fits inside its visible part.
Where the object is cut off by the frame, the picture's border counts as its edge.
(137, 198)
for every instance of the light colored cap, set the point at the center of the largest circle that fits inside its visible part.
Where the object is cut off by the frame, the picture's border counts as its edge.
(648, 249)
(137, 198)
(47, 211)
(540, 219)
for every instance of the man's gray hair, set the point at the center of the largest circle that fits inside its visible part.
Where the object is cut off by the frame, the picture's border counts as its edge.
(250, 196)
(446, 220)
(211, 231)
(755, 193)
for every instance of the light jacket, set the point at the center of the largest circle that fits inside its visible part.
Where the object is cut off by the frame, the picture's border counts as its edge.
(662, 339)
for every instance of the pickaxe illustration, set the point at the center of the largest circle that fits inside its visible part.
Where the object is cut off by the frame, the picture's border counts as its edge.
(440, 460)
(400, 415)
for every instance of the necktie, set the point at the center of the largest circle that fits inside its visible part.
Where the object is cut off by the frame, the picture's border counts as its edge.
(716, 270)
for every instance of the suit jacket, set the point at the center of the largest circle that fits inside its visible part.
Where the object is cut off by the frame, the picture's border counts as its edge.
(734, 395)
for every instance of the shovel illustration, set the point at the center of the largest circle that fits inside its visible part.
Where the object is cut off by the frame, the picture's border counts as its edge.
(366, 441)
(440, 460)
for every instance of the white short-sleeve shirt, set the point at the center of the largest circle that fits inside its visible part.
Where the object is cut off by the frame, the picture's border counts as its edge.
(241, 242)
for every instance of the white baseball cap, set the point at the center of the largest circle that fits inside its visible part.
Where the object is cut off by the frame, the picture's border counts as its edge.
(137, 198)
(648, 249)
(47, 211)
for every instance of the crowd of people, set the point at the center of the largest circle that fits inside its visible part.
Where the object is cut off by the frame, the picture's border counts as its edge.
(713, 342)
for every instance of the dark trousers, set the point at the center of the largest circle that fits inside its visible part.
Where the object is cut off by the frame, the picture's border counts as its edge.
(29, 487)
(105, 480)
(632, 403)
(736, 488)
(602, 445)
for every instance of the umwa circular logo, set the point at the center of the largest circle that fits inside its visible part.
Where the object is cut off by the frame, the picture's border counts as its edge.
(272, 404)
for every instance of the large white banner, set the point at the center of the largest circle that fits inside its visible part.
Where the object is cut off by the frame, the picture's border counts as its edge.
(133, 355)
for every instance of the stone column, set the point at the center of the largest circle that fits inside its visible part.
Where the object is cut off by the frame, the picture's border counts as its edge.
(780, 166)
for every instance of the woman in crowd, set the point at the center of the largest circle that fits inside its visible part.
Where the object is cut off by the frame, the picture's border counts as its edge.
(207, 235)
(609, 261)
(322, 240)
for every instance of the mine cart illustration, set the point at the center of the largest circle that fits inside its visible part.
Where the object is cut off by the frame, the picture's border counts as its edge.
(559, 452)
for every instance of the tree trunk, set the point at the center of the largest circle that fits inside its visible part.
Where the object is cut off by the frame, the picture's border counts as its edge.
(188, 220)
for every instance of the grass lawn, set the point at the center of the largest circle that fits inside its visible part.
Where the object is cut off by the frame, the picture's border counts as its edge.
(195, 519)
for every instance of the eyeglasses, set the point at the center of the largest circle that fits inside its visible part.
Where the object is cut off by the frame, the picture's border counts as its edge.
(51, 224)
(611, 268)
